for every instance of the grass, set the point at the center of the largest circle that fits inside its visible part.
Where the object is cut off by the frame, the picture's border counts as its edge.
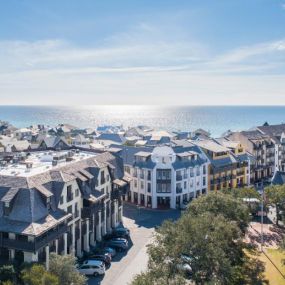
(271, 272)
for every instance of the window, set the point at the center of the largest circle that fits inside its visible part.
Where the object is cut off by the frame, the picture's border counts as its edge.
(185, 185)
(148, 175)
(61, 200)
(191, 172)
(191, 183)
(69, 193)
(197, 171)
(163, 188)
(204, 181)
(148, 187)
(204, 169)
(77, 192)
(69, 210)
(76, 212)
(142, 185)
(135, 183)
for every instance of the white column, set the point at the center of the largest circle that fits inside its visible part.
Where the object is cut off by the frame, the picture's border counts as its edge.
(173, 202)
(154, 202)
(73, 240)
(65, 243)
(11, 254)
(120, 214)
(47, 257)
(132, 196)
(56, 246)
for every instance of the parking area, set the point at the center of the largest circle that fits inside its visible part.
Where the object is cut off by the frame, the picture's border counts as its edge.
(125, 265)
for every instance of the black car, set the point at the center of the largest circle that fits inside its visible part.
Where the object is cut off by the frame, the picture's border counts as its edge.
(105, 258)
(121, 232)
(119, 244)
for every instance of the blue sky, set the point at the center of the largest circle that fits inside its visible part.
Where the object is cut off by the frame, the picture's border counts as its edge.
(142, 52)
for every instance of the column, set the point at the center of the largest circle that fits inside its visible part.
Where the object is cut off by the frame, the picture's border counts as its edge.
(154, 202)
(47, 257)
(173, 202)
(65, 243)
(132, 196)
(98, 228)
(73, 240)
(56, 246)
(11, 254)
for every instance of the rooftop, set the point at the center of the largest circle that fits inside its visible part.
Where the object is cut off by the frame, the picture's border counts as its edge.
(211, 146)
(39, 162)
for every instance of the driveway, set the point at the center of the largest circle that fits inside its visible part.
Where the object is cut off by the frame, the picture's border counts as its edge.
(141, 223)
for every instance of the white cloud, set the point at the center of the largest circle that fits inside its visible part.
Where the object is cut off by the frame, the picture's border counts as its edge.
(130, 71)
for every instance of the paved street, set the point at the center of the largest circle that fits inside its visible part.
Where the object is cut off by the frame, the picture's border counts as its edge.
(141, 223)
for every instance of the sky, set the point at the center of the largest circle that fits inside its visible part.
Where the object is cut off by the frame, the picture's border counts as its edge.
(162, 52)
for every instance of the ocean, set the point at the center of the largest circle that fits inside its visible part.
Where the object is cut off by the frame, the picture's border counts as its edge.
(216, 119)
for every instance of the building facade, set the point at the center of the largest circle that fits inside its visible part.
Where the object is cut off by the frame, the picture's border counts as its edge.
(61, 202)
(229, 164)
(165, 177)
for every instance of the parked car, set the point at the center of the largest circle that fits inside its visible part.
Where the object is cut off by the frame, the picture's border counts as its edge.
(121, 232)
(103, 250)
(119, 244)
(110, 251)
(105, 258)
(92, 267)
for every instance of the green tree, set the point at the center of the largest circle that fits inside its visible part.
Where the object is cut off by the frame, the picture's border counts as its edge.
(275, 196)
(63, 266)
(211, 232)
(217, 203)
(7, 273)
(37, 275)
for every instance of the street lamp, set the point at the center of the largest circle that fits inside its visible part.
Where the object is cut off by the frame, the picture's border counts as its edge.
(260, 189)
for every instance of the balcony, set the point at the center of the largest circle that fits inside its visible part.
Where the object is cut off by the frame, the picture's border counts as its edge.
(38, 243)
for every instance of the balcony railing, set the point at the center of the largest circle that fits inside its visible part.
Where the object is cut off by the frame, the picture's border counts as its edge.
(32, 246)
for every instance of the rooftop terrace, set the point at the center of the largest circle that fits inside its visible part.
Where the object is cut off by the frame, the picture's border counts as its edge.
(39, 162)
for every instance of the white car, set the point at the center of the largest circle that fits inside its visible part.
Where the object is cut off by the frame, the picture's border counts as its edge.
(92, 267)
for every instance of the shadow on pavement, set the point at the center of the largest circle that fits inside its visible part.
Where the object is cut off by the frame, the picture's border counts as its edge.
(148, 218)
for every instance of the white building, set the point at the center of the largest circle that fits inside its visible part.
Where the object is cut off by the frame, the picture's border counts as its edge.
(164, 176)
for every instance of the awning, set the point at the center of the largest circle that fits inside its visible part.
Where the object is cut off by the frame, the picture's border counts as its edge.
(120, 182)
(127, 178)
